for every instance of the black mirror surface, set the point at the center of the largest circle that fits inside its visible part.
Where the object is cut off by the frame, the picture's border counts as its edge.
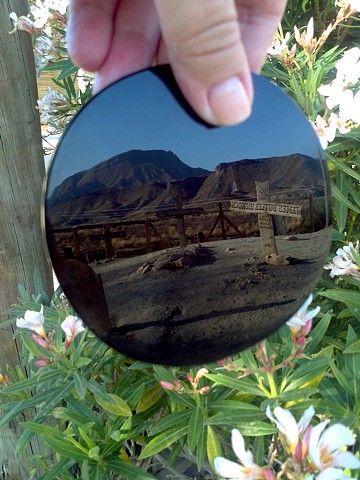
(177, 242)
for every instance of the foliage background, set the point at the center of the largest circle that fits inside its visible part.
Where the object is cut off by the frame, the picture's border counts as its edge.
(105, 416)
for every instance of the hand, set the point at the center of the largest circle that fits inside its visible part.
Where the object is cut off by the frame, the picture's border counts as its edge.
(212, 46)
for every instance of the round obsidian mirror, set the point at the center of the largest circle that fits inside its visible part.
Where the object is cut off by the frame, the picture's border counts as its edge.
(177, 242)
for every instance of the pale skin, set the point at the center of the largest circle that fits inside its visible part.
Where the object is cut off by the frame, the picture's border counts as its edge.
(212, 46)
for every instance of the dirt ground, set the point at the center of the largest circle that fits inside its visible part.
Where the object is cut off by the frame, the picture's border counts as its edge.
(202, 302)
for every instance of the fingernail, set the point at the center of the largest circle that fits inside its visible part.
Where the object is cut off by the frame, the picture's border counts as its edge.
(229, 103)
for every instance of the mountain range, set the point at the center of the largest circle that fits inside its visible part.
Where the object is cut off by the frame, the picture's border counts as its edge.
(151, 180)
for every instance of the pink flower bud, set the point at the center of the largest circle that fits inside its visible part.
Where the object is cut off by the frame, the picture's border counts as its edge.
(268, 474)
(204, 390)
(40, 341)
(167, 385)
(41, 362)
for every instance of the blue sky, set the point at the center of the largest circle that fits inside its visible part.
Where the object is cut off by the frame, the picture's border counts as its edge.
(140, 112)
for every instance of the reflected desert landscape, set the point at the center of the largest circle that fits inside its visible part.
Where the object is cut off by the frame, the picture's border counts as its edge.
(177, 242)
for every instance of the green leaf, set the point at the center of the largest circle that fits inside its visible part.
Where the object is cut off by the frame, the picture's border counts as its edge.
(129, 471)
(350, 298)
(258, 450)
(149, 398)
(325, 408)
(94, 452)
(89, 441)
(98, 473)
(234, 409)
(194, 429)
(23, 405)
(43, 430)
(80, 385)
(169, 421)
(329, 390)
(66, 68)
(61, 466)
(201, 448)
(251, 429)
(80, 413)
(83, 362)
(352, 362)
(56, 396)
(119, 436)
(38, 379)
(213, 447)
(353, 347)
(132, 395)
(349, 171)
(114, 404)
(162, 441)
(244, 385)
(65, 448)
(248, 359)
(298, 394)
(307, 372)
(318, 333)
(342, 199)
(343, 381)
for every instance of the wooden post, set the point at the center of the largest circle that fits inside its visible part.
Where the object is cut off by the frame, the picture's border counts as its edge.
(21, 176)
(222, 224)
(108, 242)
(180, 223)
(266, 226)
(266, 210)
(76, 242)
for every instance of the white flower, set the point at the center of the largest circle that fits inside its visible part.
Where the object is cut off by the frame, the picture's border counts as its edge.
(350, 107)
(354, 5)
(58, 5)
(279, 46)
(343, 266)
(22, 23)
(334, 92)
(347, 250)
(302, 316)
(348, 67)
(326, 133)
(40, 14)
(343, 262)
(286, 424)
(246, 470)
(49, 106)
(306, 38)
(33, 321)
(338, 122)
(326, 450)
(72, 326)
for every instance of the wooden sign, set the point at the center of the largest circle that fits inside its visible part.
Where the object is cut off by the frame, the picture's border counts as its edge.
(269, 208)
(266, 211)
(178, 212)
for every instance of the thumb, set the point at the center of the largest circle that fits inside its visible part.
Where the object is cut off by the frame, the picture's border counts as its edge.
(204, 47)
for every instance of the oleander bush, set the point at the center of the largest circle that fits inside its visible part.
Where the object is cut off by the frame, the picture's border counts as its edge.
(289, 406)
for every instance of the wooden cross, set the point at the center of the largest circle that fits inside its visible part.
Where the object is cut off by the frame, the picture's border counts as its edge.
(179, 212)
(266, 210)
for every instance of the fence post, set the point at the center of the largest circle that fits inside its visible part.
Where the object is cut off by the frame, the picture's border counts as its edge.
(21, 176)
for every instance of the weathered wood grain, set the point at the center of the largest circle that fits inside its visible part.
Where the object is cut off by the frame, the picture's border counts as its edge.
(21, 176)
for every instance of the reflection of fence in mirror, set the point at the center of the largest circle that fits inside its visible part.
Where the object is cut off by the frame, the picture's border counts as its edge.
(181, 223)
(183, 261)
